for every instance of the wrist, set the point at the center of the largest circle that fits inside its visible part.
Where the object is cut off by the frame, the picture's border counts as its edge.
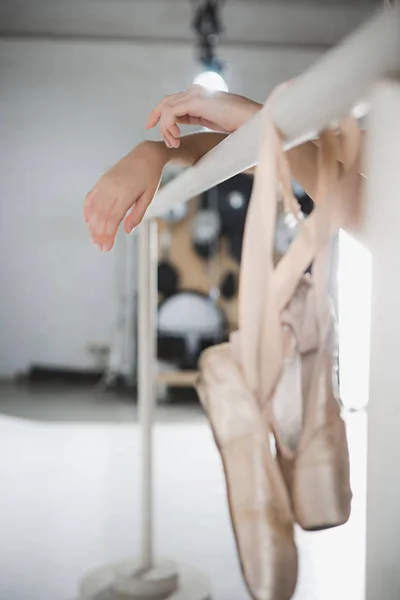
(248, 109)
(185, 155)
(157, 151)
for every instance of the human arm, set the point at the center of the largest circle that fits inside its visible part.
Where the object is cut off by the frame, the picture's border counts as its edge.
(133, 182)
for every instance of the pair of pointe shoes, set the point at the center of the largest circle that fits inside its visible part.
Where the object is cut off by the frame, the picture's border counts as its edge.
(302, 476)
(270, 393)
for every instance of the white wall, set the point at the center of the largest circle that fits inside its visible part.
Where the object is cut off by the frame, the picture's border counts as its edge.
(68, 111)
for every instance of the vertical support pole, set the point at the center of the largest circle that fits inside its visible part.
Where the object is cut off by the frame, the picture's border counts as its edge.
(147, 305)
(129, 309)
(383, 238)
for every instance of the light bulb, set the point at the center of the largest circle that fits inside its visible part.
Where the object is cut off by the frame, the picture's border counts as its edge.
(212, 81)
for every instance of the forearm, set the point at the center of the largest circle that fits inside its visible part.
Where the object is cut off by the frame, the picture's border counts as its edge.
(302, 159)
(303, 166)
(191, 149)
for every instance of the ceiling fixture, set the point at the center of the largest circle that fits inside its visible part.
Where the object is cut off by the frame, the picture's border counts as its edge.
(207, 26)
(211, 80)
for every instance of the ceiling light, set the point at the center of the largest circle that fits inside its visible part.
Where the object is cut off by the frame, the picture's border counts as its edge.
(212, 81)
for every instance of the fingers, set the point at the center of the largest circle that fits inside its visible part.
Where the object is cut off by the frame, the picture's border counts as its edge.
(104, 225)
(178, 108)
(175, 131)
(98, 223)
(137, 213)
(154, 117)
(167, 117)
(105, 208)
(170, 115)
(87, 206)
(171, 135)
(155, 114)
(113, 222)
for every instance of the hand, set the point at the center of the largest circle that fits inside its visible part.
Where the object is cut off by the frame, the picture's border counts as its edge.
(132, 182)
(219, 111)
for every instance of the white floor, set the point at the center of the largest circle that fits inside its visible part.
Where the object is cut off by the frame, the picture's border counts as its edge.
(69, 502)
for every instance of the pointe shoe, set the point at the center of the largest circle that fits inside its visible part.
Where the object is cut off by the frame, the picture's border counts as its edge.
(313, 455)
(258, 500)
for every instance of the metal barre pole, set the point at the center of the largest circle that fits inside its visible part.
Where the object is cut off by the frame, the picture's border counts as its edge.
(147, 299)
